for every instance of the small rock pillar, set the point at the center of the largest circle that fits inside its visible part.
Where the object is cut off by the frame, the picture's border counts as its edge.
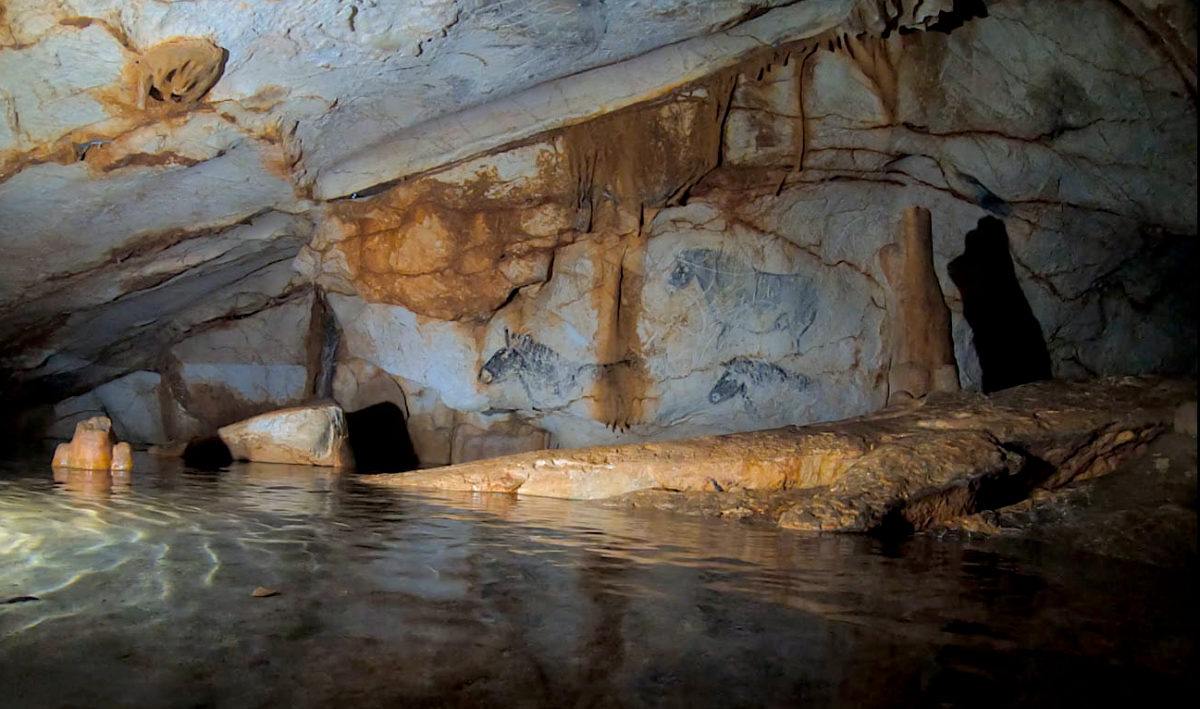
(922, 346)
(93, 448)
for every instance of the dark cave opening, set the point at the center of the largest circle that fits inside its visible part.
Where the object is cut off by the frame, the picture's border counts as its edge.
(379, 439)
(209, 453)
(1008, 338)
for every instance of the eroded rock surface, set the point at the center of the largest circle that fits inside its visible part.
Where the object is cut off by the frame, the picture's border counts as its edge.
(903, 469)
(1145, 510)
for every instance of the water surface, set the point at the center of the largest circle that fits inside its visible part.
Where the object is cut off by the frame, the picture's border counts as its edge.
(391, 598)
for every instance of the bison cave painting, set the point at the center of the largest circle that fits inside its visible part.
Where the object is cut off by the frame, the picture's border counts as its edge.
(744, 300)
(754, 379)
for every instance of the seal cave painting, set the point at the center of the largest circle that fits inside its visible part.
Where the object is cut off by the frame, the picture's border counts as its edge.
(744, 300)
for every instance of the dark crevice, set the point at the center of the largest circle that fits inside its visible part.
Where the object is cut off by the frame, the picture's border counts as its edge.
(1007, 337)
(379, 440)
(208, 453)
(963, 11)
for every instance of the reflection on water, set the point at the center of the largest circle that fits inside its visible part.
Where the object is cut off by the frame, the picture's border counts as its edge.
(92, 484)
(391, 598)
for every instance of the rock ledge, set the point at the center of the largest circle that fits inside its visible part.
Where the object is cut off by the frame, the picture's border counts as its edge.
(902, 469)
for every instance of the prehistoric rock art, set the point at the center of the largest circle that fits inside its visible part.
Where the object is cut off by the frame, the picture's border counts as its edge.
(92, 448)
(745, 299)
(549, 379)
(1007, 336)
(753, 379)
(304, 435)
(179, 71)
(922, 345)
(892, 471)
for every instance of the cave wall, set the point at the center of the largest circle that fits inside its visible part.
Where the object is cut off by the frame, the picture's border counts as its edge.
(710, 263)
(706, 261)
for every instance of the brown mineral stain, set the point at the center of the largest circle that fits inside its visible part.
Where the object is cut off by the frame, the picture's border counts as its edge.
(435, 247)
(117, 32)
(164, 159)
(625, 165)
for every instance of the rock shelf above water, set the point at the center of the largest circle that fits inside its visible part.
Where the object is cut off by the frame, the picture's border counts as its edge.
(904, 468)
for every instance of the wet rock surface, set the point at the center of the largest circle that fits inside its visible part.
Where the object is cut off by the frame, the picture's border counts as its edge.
(1144, 510)
(904, 469)
(94, 448)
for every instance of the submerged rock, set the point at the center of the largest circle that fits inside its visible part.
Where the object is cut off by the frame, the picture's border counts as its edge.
(304, 435)
(900, 470)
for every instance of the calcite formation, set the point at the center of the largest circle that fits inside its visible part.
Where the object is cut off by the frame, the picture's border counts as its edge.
(178, 71)
(93, 448)
(529, 225)
(922, 347)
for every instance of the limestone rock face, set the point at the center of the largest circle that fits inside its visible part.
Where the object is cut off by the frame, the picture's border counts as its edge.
(133, 403)
(558, 224)
(307, 435)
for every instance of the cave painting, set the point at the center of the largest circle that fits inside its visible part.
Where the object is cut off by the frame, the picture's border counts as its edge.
(548, 378)
(752, 378)
(743, 298)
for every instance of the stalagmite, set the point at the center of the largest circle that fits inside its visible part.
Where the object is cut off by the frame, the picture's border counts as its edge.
(922, 345)
(92, 448)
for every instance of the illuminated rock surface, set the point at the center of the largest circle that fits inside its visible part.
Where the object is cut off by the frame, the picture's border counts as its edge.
(93, 448)
(309, 435)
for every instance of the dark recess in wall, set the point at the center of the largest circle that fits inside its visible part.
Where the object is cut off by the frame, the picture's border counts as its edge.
(380, 441)
(209, 453)
(963, 11)
(1008, 338)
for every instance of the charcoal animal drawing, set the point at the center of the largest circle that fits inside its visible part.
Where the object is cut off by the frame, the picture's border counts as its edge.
(549, 379)
(755, 380)
(744, 299)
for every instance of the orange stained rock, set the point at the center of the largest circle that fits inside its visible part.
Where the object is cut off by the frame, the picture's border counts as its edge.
(91, 448)
(88, 450)
(122, 457)
(179, 71)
